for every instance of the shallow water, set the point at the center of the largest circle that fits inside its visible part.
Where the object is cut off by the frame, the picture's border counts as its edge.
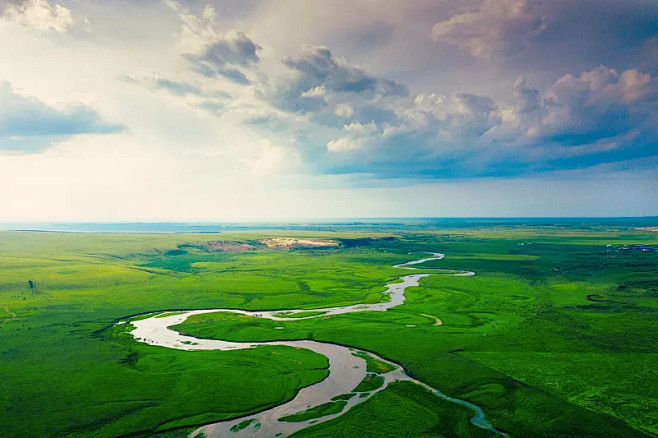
(346, 370)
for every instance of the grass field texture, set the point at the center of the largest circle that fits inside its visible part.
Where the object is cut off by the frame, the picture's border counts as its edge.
(554, 336)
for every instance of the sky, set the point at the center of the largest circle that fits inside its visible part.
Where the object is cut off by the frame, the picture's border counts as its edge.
(169, 110)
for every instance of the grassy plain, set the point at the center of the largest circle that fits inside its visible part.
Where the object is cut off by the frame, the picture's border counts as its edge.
(332, 407)
(403, 410)
(67, 371)
(554, 336)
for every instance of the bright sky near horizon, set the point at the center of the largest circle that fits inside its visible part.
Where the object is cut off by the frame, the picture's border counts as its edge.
(227, 110)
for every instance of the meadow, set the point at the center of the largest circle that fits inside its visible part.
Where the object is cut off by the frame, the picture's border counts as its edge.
(554, 336)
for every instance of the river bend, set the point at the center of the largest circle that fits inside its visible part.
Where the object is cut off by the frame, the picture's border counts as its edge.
(347, 367)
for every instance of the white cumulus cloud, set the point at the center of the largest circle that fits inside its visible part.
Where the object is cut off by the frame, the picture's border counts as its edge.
(40, 15)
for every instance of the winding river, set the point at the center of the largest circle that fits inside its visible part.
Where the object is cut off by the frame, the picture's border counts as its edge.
(347, 366)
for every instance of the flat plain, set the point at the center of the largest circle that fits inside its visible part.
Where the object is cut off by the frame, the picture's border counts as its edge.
(555, 335)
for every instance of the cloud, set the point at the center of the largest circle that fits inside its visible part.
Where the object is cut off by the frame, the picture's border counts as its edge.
(269, 159)
(177, 87)
(356, 136)
(316, 66)
(27, 124)
(212, 53)
(319, 81)
(549, 36)
(339, 117)
(197, 96)
(375, 101)
(217, 65)
(579, 121)
(496, 27)
(473, 116)
(527, 99)
(596, 105)
(225, 55)
(173, 86)
(39, 14)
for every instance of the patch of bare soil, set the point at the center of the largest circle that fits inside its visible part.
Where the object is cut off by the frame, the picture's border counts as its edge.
(229, 246)
(290, 242)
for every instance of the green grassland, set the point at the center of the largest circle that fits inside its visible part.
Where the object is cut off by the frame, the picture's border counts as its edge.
(554, 336)
(370, 383)
(401, 411)
(332, 407)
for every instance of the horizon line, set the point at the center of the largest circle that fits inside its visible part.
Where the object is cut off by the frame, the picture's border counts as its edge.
(314, 219)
